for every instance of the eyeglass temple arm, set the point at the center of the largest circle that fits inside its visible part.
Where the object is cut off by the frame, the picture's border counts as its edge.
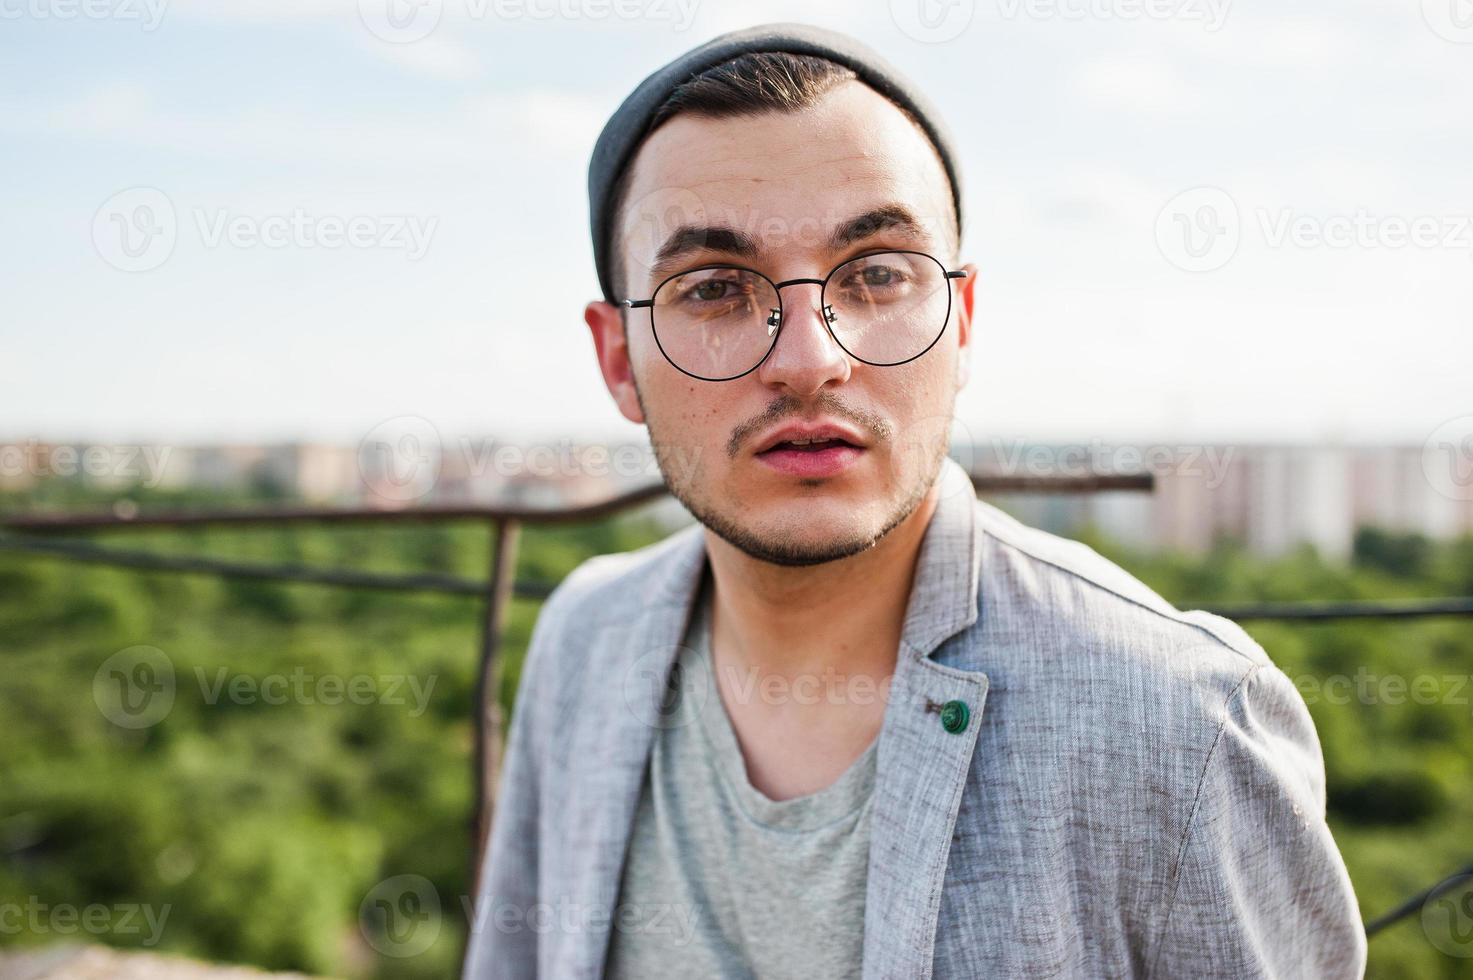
(958, 274)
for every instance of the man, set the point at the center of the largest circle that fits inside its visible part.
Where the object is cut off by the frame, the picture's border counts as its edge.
(855, 722)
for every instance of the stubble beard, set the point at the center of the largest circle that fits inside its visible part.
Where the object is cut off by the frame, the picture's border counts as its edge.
(774, 548)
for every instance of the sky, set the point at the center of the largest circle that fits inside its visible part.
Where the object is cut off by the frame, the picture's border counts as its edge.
(262, 220)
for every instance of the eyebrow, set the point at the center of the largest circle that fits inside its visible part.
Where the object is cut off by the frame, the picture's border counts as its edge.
(690, 239)
(889, 217)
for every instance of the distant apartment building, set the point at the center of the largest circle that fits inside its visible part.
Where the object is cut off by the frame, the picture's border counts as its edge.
(1271, 498)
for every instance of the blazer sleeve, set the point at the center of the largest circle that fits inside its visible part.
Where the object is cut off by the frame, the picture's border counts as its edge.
(1260, 889)
(502, 946)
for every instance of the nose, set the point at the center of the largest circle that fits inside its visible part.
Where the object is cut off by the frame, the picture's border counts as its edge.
(806, 357)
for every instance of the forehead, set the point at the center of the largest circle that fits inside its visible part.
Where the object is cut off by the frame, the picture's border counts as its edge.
(786, 180)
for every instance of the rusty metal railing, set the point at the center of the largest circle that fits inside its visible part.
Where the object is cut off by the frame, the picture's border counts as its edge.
(46, 535)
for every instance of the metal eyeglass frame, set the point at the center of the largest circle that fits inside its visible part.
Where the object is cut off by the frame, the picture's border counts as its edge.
(777, 287)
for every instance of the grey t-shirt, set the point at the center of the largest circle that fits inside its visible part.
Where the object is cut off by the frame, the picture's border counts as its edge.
(722, 882)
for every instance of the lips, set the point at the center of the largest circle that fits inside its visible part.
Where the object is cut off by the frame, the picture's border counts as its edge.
(809, 438)
(809, 445)
(811, 451)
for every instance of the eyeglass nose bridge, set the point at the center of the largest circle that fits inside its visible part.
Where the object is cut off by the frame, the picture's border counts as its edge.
(775, 316)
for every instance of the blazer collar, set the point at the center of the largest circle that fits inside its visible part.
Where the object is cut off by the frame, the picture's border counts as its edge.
(943, 598)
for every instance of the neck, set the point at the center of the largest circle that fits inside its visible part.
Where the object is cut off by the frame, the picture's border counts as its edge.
(845, 616)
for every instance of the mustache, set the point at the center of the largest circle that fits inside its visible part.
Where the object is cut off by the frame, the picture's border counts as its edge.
(826, 403)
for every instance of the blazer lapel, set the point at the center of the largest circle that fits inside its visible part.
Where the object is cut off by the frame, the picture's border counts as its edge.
(923, 762)
(618, 745)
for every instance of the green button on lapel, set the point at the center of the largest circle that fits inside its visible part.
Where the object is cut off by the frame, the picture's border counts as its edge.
(954, 716)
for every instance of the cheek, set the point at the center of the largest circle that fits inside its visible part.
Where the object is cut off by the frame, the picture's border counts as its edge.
(684, 410)
(924, 388)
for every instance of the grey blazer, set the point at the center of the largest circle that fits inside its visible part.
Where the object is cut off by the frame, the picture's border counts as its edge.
(1139, 791)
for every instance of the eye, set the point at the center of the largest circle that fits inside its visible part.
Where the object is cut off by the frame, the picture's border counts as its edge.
(711, 289)
(873, 277)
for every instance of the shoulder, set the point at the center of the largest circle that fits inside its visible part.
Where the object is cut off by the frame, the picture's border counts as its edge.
(1027, 571)
(608, 590)
(1057, 615)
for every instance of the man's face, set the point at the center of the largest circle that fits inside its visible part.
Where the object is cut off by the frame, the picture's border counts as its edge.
(789, 185)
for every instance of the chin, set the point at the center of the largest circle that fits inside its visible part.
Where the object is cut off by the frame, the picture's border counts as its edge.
(800, 531)
(785, 549)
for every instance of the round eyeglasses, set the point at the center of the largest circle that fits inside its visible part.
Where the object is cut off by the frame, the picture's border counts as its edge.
(719, 322)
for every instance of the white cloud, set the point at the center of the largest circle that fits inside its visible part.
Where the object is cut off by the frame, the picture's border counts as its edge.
(436, 56)
(472, 132)
(1135, 84)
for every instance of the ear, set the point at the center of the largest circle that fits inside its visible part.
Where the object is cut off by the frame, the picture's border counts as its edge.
(612, 345)
(965, 291)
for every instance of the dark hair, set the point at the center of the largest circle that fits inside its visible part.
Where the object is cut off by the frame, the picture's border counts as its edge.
(747, 85)
(753, 83)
